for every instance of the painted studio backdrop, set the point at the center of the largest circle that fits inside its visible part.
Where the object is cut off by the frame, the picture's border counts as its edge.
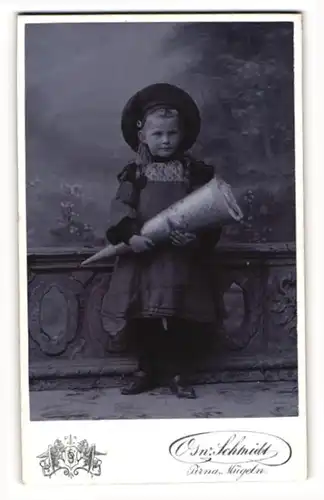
(78, 78)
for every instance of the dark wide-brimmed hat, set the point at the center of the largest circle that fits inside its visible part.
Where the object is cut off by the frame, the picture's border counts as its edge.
(164, 95)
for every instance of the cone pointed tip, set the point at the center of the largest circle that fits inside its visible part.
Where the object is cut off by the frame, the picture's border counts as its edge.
(88, 261)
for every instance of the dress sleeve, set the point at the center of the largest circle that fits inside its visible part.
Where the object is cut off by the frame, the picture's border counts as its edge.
(123, 208)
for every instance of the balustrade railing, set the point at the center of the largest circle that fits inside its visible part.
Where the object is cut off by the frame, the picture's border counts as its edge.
(255, 287)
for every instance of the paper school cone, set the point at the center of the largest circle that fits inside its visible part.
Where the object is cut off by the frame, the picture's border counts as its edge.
(107, 252)
(212, 204)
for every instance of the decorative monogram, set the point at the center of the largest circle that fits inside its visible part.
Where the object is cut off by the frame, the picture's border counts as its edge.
(70, 456)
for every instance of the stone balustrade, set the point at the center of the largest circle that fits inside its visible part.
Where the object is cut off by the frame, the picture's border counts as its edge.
(255, 338)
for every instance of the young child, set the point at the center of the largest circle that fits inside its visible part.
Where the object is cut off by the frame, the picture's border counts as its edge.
(161, 293)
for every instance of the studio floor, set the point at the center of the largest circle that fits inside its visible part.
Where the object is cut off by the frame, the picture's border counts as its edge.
(225, 400)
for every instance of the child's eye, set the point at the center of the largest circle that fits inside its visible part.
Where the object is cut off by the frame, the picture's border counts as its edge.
(156, 133)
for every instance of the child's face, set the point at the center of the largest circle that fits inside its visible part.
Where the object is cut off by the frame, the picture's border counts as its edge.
(161, 134)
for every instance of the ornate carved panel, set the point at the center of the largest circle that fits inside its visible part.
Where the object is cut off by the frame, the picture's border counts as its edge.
(284, 305)
(53, 312)
(234, 302)
(282, 311)
(239, 330)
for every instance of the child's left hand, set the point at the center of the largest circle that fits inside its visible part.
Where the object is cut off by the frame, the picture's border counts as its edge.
(180, 238)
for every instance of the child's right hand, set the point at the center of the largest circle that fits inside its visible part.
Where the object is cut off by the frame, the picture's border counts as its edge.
(140, 243)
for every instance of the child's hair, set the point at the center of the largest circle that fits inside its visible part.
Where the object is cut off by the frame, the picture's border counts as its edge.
(143, 156)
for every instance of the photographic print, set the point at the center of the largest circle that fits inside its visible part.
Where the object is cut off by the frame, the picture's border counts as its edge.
(161, 247)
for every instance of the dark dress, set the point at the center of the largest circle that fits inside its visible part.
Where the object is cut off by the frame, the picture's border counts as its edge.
(167, 282)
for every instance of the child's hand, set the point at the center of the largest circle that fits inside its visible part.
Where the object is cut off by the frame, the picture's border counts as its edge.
(140, 243)
(180, 238)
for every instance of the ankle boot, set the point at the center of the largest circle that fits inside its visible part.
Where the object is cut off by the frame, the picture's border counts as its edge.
(182, 390)
(142, 382)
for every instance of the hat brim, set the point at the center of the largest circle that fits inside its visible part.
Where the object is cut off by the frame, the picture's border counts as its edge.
(164, 95)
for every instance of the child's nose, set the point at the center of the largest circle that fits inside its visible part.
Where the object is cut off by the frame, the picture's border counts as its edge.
(166, 139)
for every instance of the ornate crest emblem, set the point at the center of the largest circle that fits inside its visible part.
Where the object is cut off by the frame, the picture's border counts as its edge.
(70, 456)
